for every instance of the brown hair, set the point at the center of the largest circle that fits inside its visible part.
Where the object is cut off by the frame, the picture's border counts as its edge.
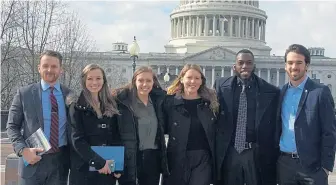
(107, 102)
(52, 54)
(204, 92)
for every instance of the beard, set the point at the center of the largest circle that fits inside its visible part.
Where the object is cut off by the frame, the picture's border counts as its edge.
(297, 76)
(50, 77)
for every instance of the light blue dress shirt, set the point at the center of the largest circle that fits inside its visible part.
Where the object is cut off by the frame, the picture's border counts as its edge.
(46, 109)
(288, 115)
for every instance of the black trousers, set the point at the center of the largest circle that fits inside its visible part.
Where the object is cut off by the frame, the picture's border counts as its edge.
(240, 169)
(86, 177)
(51, 170)
(149, 167)
(197, 171)
(291, 172)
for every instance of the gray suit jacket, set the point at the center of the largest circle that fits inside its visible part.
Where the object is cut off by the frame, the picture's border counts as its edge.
(26, 114)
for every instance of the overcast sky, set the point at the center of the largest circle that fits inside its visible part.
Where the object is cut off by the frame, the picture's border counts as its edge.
(311, 23)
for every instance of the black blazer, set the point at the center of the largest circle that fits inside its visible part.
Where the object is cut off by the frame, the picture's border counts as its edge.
(315, 126)
(265, 124)
(88, 130)
(177, 125)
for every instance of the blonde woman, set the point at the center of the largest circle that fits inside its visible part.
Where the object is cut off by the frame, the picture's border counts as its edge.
(142, 130)
(94, 123)
(190, 114)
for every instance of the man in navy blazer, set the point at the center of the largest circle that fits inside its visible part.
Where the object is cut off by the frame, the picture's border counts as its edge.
(306, 126)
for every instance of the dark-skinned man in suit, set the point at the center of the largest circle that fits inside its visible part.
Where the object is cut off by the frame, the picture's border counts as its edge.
(245, 154)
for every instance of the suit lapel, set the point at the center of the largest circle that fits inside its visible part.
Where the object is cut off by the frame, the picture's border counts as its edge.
(37, 99)
(65, 93)
(263, 100)
(303, 96)
(227, 94)
(282, 95)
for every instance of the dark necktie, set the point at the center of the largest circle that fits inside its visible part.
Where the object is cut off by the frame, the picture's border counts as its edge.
(54, 122)
(240, 138)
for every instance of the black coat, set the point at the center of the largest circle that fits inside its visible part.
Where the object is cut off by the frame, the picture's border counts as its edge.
(177, 126)
(265, 126)
(128, 125)
(88, 130)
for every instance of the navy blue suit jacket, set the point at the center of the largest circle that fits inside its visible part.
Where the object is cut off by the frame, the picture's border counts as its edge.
(315, 126)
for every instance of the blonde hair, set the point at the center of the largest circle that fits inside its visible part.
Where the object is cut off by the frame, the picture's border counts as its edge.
(204, 92)
(108, 105)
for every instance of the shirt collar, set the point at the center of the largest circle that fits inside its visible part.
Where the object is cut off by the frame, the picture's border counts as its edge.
(139, 101)
(301, 85)
(46, 86)
(249, 81)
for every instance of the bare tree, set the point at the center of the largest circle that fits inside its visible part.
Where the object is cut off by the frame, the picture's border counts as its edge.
(35, 22)
(9, 77)
(75, 45)
(30, 27)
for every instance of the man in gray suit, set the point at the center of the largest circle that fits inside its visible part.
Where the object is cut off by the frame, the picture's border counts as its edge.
(41, 105)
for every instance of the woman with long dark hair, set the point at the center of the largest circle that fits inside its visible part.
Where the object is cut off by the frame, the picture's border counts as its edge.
(94, 120)
(190, 114)
(142, 130)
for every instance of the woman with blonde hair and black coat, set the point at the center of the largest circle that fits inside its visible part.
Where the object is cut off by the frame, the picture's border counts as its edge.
(190, 114)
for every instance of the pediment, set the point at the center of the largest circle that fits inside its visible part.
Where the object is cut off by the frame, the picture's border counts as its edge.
(215, 53)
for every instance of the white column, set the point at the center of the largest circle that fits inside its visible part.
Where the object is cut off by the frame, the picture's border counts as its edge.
(239, 27)
(246, 28)
(231, 71)
(212, 76)
(158, 70)
(204, 70)
(214, 26)
(199, 26)
(262, 31)
(259, 73)
(223, 69)
(189, 27)
(253, 28)
(231, 25)
(264, 37)
(176, 70)
(178, 27)
(278, 78)
(258, 29)
(183, 26)
(172, 28)
(194, 27)
(269, 75)
(206, 26)
(222, 28)
(167, 69)
(286, 77)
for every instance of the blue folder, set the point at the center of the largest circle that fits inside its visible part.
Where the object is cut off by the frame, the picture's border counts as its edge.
(115, 153)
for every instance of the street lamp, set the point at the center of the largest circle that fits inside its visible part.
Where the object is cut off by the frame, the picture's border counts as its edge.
(134, 50)
(166, 78)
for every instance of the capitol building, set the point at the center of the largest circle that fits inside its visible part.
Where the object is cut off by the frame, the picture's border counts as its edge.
(210, 33)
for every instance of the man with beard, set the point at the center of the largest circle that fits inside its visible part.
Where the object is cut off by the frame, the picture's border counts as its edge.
(306, 126)
(245, 150)
(41, 105)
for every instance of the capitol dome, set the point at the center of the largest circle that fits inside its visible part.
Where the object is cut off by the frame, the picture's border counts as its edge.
(197, 25)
